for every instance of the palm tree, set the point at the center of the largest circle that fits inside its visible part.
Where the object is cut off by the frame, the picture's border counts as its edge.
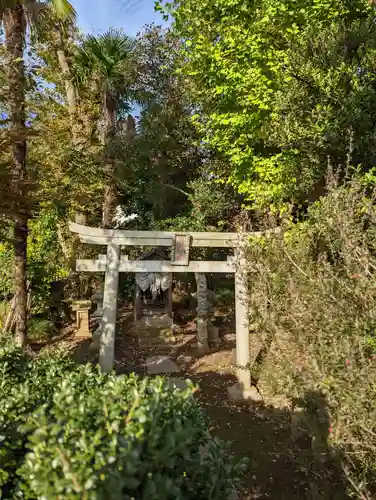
(15, 16)
(109, 60)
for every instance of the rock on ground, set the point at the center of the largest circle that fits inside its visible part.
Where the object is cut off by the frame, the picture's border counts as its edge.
(178, 383)
(158, 365)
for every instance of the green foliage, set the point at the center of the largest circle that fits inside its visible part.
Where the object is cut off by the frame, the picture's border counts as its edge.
(212, 203)
(39, 329)
(155, 164)
(208, 206)
(163, 170)
(61, 8)
(45, 260)
(314, 308)
(74, 432)
(285, 90)
(4, 308)
(108, 60)
(25, 384)
(6, 282)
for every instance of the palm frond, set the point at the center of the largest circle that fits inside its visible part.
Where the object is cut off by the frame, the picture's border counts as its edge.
(36, 10)
(109, 49)
(123, 109)
(62, 8)
(105, 57)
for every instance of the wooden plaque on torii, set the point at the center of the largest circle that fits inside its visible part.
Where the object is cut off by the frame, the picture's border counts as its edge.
(180, 249)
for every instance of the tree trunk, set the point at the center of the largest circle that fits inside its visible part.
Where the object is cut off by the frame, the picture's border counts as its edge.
(76, 121)
(110, 195)
(69, 87)
(202, 310)
(109, 201)
(14, 22)
(78, 139)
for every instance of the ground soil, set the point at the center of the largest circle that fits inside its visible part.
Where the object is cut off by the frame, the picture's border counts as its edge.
(281, 468)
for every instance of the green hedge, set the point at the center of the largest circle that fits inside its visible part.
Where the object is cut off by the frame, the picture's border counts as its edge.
(72, 432)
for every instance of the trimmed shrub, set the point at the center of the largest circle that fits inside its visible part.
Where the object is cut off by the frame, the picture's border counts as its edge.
(72, 432)
(25, 384)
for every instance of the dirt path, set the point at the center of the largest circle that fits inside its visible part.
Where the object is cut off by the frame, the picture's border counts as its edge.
(279, 468)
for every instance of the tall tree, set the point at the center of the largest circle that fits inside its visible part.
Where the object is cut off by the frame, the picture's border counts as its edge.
(15, 16)
(285, 90)
(163, 156)
(109, 61)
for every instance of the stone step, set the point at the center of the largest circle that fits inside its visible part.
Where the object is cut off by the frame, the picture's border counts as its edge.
(155, 330)
(155, 320)
(153, 312)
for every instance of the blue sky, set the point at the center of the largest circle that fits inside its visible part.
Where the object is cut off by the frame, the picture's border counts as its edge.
(96, 16)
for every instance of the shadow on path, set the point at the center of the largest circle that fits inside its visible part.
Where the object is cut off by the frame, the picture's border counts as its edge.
(281, 468)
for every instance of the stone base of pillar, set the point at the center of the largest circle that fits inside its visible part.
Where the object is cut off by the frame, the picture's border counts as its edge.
(96, 340)
(213, 334)
(239, 394)
(202, 349)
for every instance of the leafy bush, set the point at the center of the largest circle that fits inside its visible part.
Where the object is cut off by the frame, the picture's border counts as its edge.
(314, 306)
(45, 261)
(6, 284)
(4, 309)
(25, 384)
(72, 432)
(39, 329)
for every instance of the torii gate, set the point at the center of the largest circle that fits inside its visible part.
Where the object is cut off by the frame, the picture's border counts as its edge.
(113, 263)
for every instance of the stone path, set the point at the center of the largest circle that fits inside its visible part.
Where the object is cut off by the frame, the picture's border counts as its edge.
(164, 365)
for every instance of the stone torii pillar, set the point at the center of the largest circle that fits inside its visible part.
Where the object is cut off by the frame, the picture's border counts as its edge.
(243, 389)
(110, 297)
